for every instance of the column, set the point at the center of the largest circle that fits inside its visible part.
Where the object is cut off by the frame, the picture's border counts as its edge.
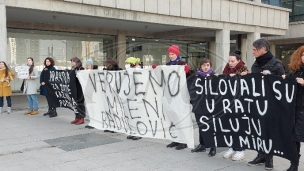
(211, 56)
(273, 50)
(121, 49)
(222, 48)
(251, 37)
(3, 33)
(244, 50)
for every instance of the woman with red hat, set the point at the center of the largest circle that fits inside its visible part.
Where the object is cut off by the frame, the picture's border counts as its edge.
(175, 59)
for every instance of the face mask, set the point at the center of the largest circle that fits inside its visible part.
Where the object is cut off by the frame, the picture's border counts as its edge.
(127, 66)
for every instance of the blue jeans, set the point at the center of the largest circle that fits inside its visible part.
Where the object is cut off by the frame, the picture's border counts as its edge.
(8, 99)
(33, 101)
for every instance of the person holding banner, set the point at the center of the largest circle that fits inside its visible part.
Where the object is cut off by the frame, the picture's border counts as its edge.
(48, 66)
(6, 76)
(111, 65)
(132, 63)
(235, 66)
(30, 88)
(205, 70)
(265, 63)
(175, 59)
(297, 71)
(80, 113)
(90, 66)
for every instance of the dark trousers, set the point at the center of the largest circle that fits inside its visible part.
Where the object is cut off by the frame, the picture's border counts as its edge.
(49, 101)
(298, 150)
(239, 149)
(8, 100)
(81, 109)
(201, 139)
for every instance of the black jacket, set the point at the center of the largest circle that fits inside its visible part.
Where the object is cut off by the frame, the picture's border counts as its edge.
(298, 132)
(273, 65)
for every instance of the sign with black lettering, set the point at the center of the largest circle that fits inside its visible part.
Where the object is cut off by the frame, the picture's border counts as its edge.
(61, 88)
(253, 112)
(151, 103)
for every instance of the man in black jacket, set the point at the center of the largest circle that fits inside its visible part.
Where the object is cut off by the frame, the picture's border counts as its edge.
(265, 63)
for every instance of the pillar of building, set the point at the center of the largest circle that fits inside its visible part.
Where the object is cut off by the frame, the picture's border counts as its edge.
(222, 48)
(211, 54)
(121, 49)
(244, 49)
(3, 33)
(251, 37)
(273, 50)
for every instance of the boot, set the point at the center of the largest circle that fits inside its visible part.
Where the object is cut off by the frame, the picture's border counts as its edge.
(48, 112)
(293, 167)
(212, 152)
(34, 112)
(268, 162)
(9, 109)
(181, 146)
(80, 121)
(199, 148)
(260, 159)
(53, 113)
(173, 144)
(28, 112)
(75, 120)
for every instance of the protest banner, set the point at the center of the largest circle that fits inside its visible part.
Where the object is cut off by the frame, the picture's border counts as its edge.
(61, 88)
(22, 72)
(146, 103)
(254, 112)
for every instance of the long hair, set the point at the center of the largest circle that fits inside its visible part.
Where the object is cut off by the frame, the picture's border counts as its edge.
(77, 61)
(50, 59)
(295, 59)
(6, 68)
(32, 66)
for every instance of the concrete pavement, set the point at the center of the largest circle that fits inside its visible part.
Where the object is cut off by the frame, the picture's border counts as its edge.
(38, 143)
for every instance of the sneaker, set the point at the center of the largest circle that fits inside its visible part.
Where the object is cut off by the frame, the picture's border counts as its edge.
(9, 109)
(229, 153)
(239, 155)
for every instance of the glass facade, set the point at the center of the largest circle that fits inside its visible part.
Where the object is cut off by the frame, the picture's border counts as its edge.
(58, 45)
(297, 7)
(155, 51)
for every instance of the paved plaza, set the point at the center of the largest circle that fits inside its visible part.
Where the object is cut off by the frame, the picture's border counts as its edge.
(39, 143)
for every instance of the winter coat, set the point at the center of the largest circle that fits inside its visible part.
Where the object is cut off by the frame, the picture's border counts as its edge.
(80, 97)
(43, 87)
(298, 132)
(273, 65)
(180, 62)
(5, 88)
(30, 86)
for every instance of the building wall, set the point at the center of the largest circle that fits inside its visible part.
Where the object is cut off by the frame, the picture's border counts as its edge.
(216, 14)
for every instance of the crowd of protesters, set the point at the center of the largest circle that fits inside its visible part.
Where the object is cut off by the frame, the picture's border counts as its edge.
(265, 63)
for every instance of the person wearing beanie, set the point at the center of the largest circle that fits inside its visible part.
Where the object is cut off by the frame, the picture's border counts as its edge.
(89, 64)
(175, 59)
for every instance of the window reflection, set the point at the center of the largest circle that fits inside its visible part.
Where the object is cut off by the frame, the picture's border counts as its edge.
(60, 46)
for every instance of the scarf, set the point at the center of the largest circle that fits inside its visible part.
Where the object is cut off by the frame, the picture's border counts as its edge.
(228, 70)
(175, 61)
(48, 67)
(204, 74)
(262, 60)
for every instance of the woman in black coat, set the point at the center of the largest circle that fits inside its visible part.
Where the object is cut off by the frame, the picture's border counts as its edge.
(297, 71)
(81, 113)
(48, 66)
